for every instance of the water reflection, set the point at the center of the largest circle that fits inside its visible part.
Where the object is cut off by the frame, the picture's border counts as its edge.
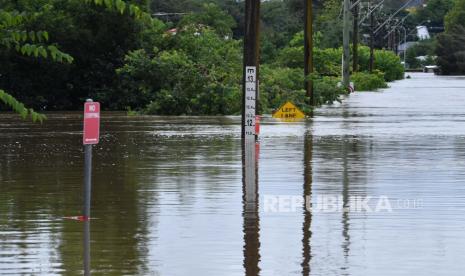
(345, 204)
(251, 224)
(307, 193)
(172, 196)
(86, 246)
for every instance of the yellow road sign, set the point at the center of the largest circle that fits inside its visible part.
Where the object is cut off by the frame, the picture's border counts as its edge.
(288, 112)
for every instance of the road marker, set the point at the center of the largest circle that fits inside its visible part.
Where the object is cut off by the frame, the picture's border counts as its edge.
(288, 112)
(91, 123)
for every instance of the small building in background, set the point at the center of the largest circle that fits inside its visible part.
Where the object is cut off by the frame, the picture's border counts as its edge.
(423, 33)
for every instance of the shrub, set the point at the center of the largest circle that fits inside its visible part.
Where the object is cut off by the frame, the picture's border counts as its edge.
(326, 90)
(364, 81)
(385, 61)
(328, 62)
(389, 63)
(279, 85)
(199, 75)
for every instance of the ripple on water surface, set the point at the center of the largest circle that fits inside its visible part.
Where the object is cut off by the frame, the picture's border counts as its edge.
(169, 197)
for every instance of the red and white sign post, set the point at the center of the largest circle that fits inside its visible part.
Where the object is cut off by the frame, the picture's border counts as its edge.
(91, 123)
(90, 137)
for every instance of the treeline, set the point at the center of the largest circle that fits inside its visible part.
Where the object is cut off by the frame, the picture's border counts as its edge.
(451, 44)
(187, 59)
(445, 20)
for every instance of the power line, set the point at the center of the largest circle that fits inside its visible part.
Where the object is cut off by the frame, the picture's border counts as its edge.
(392, 16)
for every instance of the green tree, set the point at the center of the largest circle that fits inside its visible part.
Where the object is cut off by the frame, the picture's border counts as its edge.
(14, 37)
(434, 11)
(451, 50)
(451, 43)
(198, 75)
(456, 16)
(97, 34)
(211, 15)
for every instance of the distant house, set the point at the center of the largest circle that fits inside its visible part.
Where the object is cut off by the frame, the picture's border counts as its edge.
(423, 33)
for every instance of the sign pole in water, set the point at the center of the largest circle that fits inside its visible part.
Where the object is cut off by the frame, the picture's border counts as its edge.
(90, 137)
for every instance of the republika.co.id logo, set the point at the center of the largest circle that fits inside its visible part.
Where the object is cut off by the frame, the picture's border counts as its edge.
(337, 203)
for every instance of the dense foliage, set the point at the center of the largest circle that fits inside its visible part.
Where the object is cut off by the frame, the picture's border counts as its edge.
(187, 61)
(433, 12)
(451, 43)
(199, 74)
(327, 61)
(369, 82)
(15, 38)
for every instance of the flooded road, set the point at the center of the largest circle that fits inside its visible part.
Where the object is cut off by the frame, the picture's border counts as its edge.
(170, 196)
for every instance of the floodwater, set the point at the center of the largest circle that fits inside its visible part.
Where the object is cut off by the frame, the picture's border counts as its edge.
(170, 195)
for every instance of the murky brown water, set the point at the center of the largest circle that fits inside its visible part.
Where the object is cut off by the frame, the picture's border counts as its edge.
(169, 196)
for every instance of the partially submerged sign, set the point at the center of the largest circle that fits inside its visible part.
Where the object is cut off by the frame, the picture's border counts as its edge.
(250, 100)
(91, 123)
(289, 112)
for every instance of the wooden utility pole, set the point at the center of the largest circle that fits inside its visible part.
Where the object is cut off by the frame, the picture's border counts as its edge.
(372, 42)
(251, 52)
(308, 50)
(346, 46)
(355, 36)
(389, 42)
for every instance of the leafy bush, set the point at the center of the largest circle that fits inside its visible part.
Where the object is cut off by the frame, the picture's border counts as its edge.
(199, 75)
(213, 16)
(279, 85)
(389, 63)
(326, 89)
(364, 81)
(327, 62)
(292, 57)
(385, 61)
